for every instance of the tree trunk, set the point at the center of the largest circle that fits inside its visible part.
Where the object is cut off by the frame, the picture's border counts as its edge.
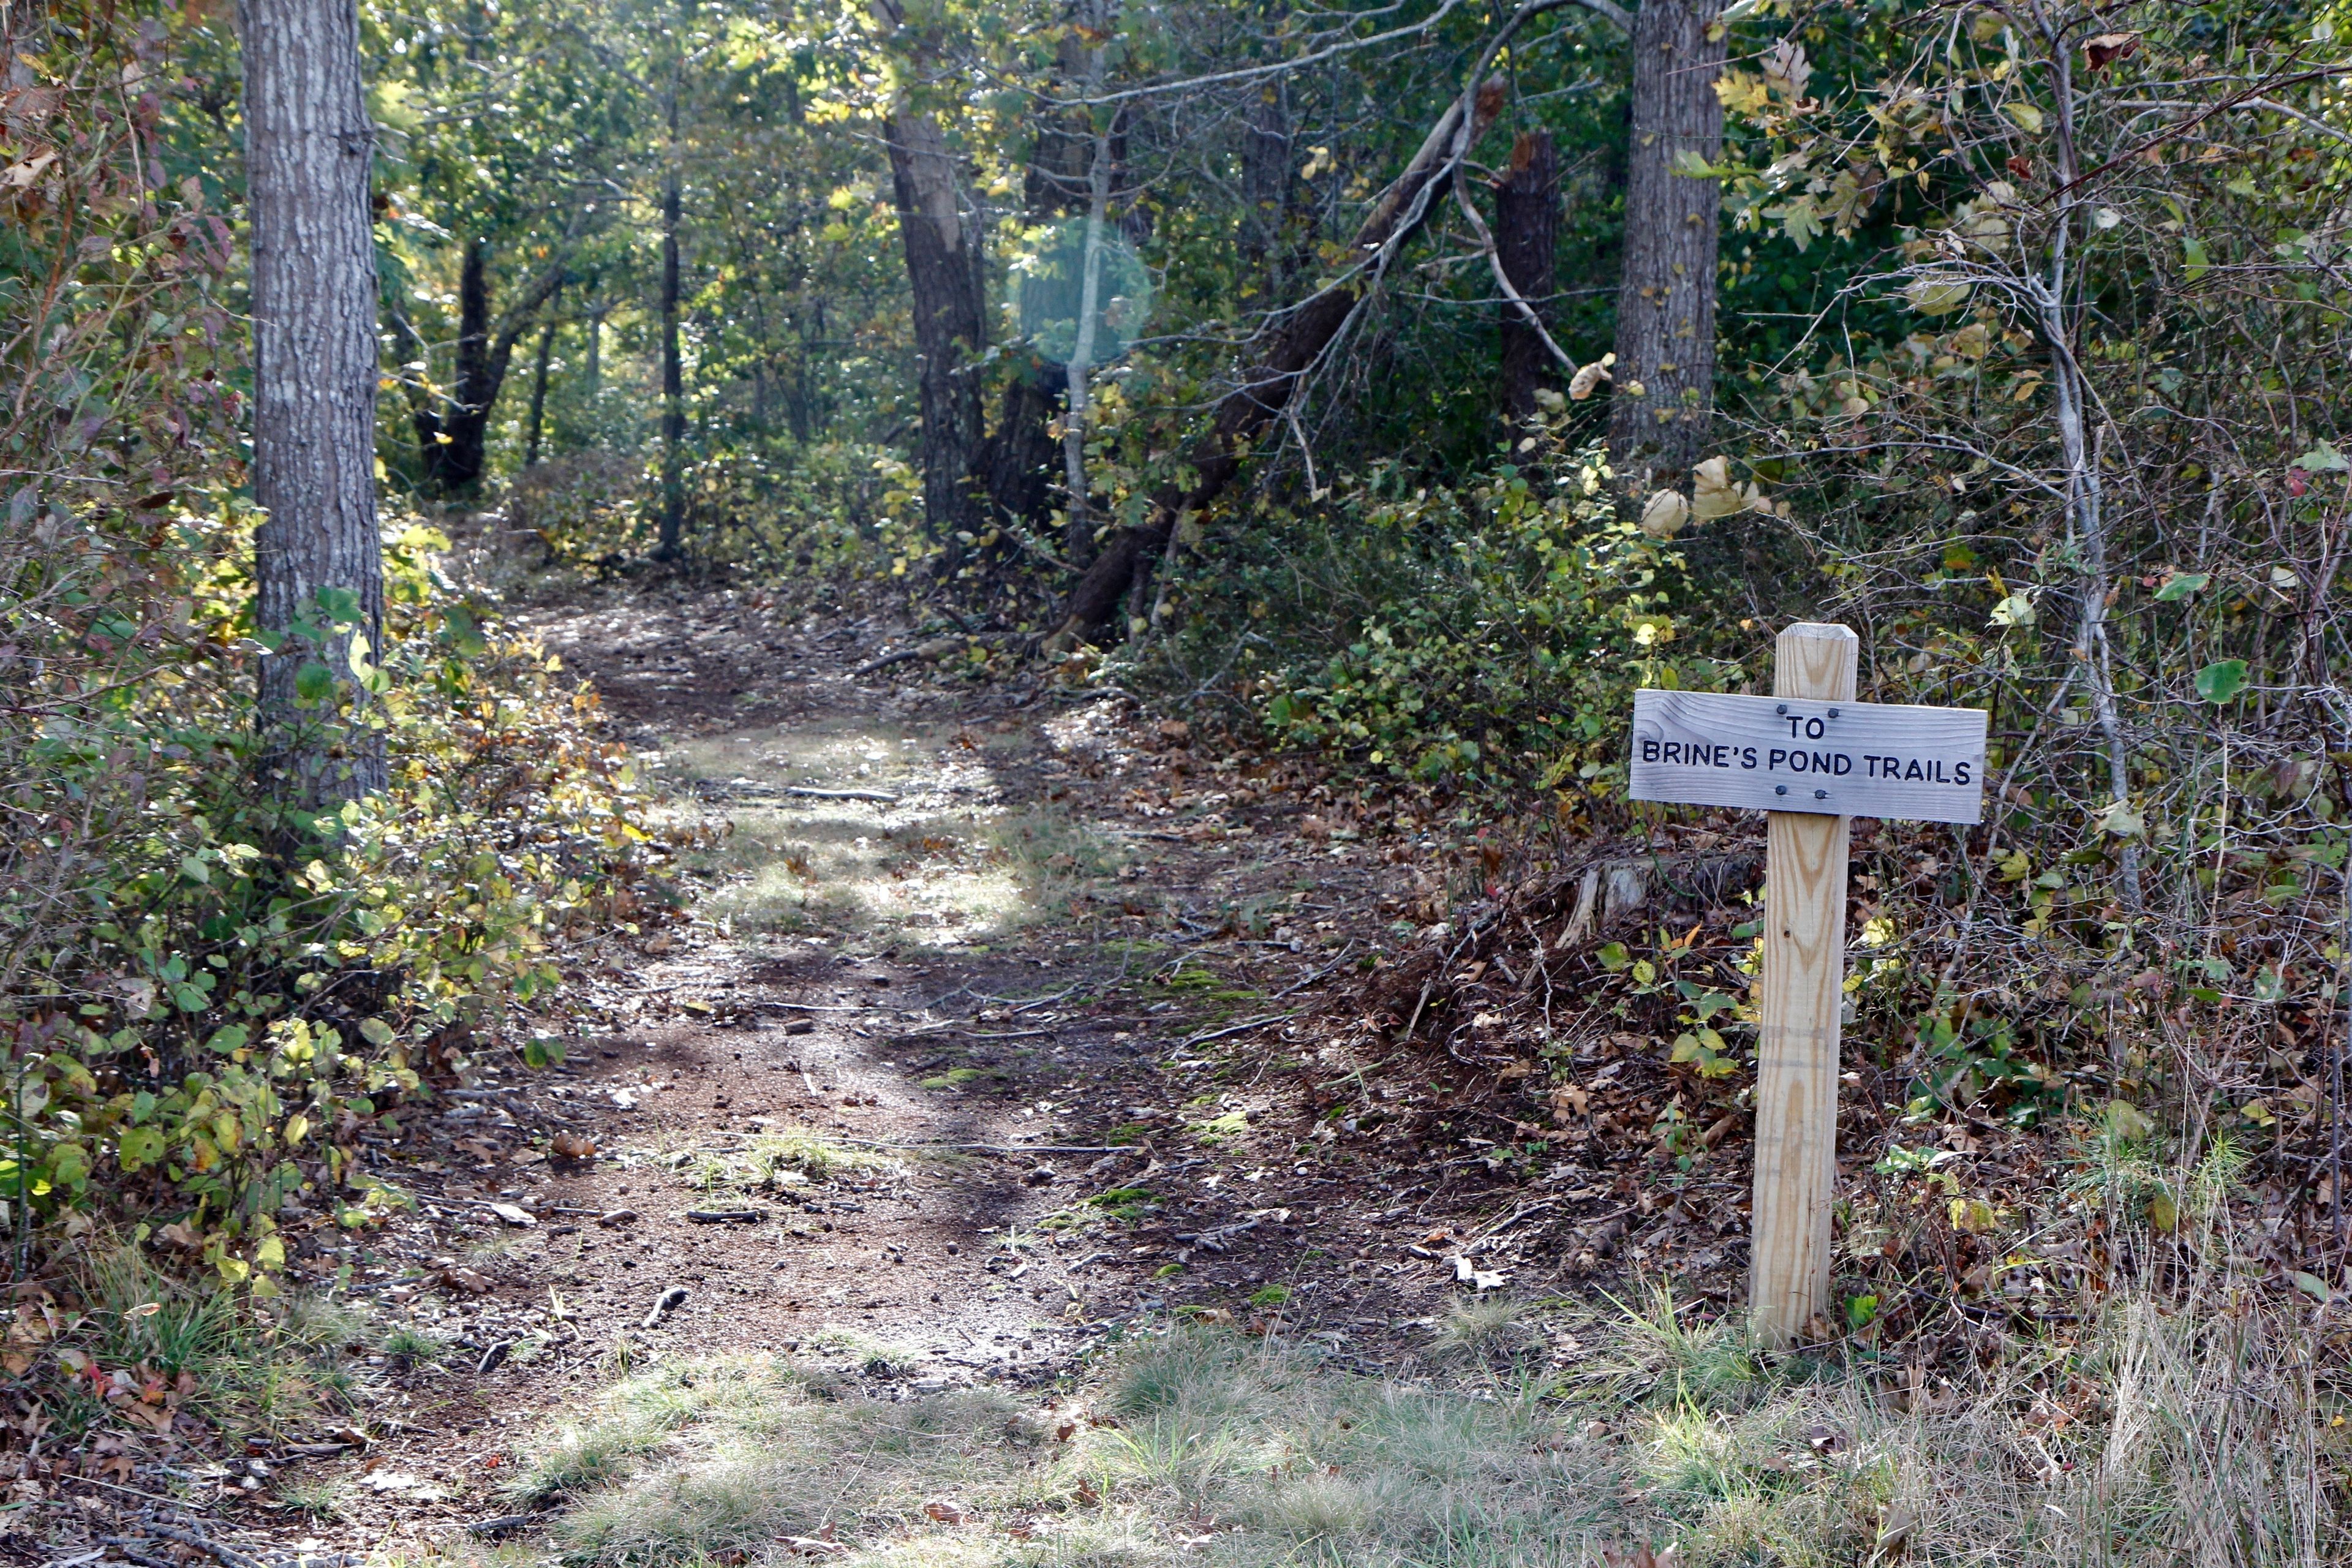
(454, 466)
(673, 424)
(538, 392)
(1014, 468)
(1265, 191)
(1665, 305)
(594, 371)
(1526, 239)
(1293, 345)
(309, 143)
(450, 440)
(1079, 533)
(943, 274)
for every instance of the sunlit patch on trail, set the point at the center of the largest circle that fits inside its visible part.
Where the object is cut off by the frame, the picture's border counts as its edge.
(905, 835)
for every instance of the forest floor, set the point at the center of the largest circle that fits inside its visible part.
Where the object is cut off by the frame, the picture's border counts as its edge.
(999, 1157)
(1006, 1038)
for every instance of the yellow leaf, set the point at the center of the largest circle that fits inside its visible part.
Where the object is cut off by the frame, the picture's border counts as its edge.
(1974, 1215)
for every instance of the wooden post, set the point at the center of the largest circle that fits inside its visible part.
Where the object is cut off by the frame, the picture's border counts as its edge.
(1797, 1047)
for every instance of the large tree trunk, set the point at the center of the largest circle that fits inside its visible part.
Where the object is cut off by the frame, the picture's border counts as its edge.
(1291, 344)
(1665, 306)
(673, 422)
(309, 143)
(1526, 239)
(944, 276)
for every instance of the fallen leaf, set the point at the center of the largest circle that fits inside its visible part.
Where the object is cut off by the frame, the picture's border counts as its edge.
(947, 1512)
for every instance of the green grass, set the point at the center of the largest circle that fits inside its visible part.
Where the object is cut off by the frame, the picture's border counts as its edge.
(249, 1365)
(957, 1078)
(772, 1162)
(2195, 1444)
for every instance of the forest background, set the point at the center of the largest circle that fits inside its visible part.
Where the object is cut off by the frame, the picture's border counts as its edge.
(1406, 385)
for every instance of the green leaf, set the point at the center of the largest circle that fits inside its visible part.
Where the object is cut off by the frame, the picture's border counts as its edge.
(2192, 250)
(2313, 1286)
(465, 632)
(2220, 681)
(2027, 117)
(2122, 821)
(313, 683)
(339, 606)
(139, 1146)
(1937, 296)
(1614, 957)
(2182, 584)
(2322, 458)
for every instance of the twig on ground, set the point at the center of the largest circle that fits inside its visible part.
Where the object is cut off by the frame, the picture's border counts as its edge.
(1208, 1034)
(807, 792)
(1319, 973)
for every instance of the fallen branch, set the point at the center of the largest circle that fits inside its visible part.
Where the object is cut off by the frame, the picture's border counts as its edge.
(938, 648)
(805, 792)
(228, 1556)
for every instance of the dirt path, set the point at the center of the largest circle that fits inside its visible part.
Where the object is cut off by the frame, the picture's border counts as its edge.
(1005, 1033)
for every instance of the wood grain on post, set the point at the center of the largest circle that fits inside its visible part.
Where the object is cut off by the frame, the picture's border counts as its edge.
(1797, 1047)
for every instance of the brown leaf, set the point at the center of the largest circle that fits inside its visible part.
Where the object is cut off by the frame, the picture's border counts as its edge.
(572, 1146)
(2098, 51)
(943, 1513)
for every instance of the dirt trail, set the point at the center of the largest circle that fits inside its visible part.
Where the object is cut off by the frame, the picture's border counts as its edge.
(1011, 1027)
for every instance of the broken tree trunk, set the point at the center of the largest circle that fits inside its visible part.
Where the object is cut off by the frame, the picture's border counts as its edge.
(1293, 343)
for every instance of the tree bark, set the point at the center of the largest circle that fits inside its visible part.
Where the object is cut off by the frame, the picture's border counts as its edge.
(1665, 304)
(944, 276)
(455, 466)
(1266, 186)
(1292, 345)
(1527, 240)
(1015, 465)
(308, 144)
(538, 392)
(670, 543)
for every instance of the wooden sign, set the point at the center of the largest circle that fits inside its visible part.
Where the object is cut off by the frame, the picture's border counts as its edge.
(1783, 754)
(1813, 757)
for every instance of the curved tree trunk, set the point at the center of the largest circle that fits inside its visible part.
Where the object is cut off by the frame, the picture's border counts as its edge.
(1292, 345)
(1665, 306)
(454, 466)
(309, 143)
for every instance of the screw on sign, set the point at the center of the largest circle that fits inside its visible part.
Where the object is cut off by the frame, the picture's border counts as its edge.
(1813, 757)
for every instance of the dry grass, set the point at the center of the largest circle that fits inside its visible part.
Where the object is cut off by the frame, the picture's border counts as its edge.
(2174, 1439)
